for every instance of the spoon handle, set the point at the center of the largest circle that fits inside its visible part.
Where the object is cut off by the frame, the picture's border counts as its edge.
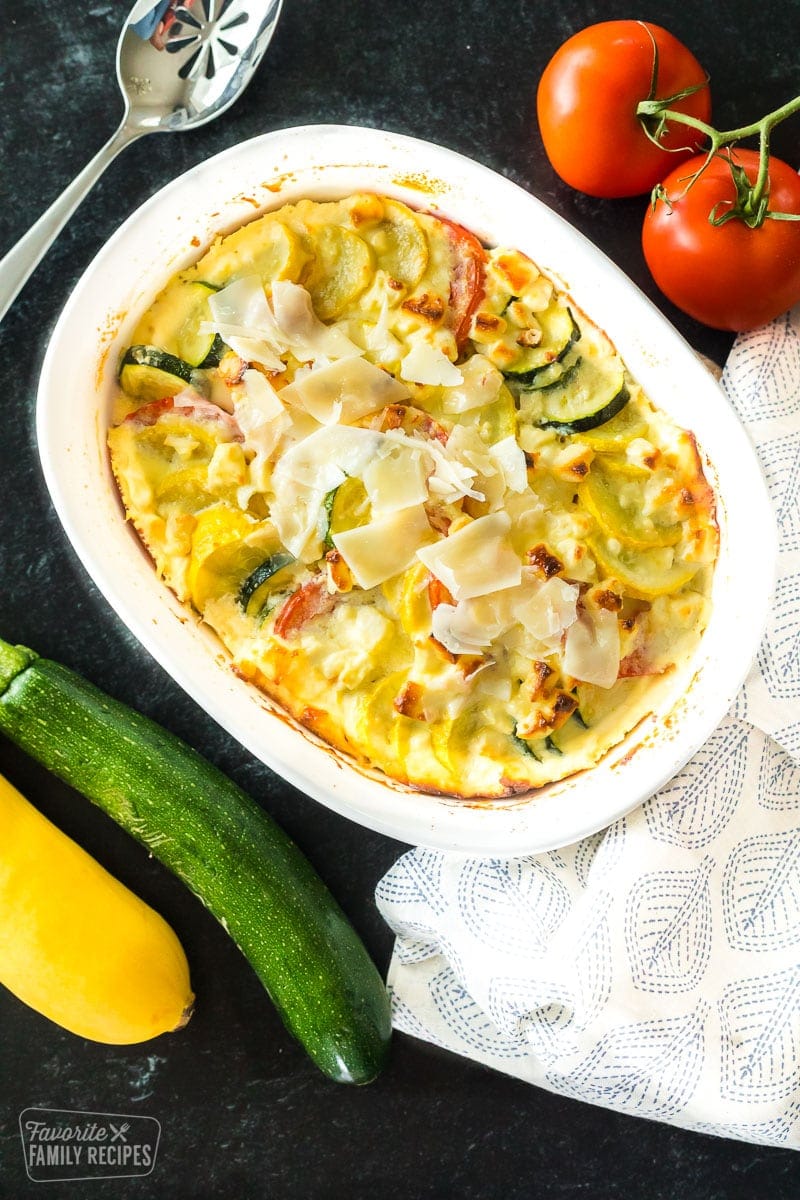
(20, 262)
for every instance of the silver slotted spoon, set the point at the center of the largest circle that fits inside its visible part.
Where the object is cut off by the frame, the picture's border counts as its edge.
(178, 65)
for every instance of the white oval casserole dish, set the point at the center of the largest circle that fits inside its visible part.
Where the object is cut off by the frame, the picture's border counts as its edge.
(170, 231)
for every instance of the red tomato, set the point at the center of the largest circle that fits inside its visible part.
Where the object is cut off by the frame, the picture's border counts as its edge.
(188, 405)
(467, 282)
(311, 600)
(438, 593)
(727, 276)
(587, 101)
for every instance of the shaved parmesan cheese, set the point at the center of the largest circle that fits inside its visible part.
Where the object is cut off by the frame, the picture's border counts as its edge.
(262, 395)
(493, 613)
(385, 547)
(243, 304)
(263, 421)
(306, 473)
(480, 621)
(296, 516)
(452, 627)
(380, 340)
(591, 652)
(443, 686)
(527, 514)
(397, 479)
(546, 609)
(451, 479)
(250, 349)
(302, 329)
(466, 444)
(300, 426)
(480, 384)
(477, 559)
(511, 461)
(344, 391)
(243, 319)
(322, 460)
(426, 364)
(471, 626)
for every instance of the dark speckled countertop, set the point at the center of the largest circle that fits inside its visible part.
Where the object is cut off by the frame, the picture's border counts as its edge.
(243, 1112)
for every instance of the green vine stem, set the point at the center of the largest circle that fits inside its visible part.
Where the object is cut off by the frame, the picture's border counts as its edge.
(752, 200)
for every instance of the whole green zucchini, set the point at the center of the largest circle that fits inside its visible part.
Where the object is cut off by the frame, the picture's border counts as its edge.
(215, 838)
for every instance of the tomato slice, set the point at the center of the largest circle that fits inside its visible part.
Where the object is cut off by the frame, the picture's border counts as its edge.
(438, 593)
(311, 600)
(194, 409)
(467, 281)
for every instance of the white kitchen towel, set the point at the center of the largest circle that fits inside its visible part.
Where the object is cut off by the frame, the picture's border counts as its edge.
(655, 967)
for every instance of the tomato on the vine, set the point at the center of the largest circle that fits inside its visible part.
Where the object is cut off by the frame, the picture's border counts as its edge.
(586, 104)
(728, 276)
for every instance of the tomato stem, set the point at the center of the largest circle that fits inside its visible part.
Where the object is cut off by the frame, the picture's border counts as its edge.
(719, 138)
(751, 205)
(762, 179)
(651, 95)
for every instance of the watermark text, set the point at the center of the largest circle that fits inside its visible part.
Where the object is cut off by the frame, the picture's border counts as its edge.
(62, 1144)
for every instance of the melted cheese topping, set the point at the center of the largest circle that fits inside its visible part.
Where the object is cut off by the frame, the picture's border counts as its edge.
(417, 494)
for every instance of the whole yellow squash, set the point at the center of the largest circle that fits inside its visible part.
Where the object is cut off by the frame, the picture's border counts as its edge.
(78, 946)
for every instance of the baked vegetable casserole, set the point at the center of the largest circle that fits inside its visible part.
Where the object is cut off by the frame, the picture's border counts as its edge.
(416, 493)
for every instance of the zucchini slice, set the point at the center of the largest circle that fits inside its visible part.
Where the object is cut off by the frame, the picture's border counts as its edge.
(524, 746)
(498, 420)
(614, 436)
(537, 747)
(173, 322)
(562, 740)
(193, 346)
(558, 372)
(214, 354)
(222, 556)
(254, 593)
(452, 738)
(346, 507)
(584, 398)
(560, 332)
(148, 373)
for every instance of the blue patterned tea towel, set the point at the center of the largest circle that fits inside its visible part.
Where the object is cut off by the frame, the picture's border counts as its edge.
(655, 967)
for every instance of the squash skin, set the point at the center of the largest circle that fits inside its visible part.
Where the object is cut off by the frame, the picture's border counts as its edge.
(222, 845)
(78, 946)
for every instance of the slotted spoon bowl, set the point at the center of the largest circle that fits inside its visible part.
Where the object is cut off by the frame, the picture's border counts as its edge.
(179, 66)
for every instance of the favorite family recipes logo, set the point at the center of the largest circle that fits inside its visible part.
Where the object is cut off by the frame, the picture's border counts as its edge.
(60, 1144)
